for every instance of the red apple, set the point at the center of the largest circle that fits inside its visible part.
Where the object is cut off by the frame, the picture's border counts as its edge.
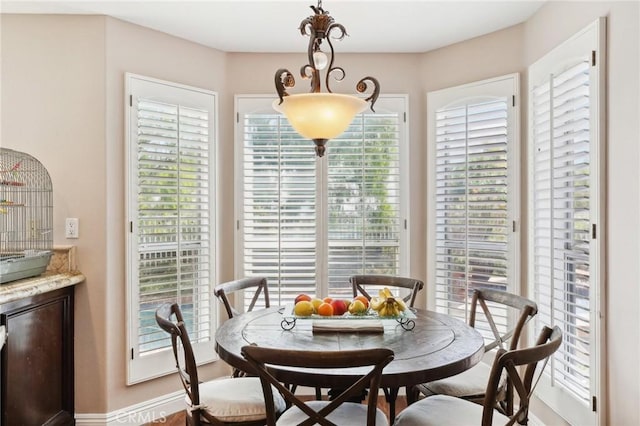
(302, 297)
(339, 307)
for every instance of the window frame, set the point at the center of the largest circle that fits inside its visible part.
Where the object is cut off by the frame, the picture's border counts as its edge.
(591, 38)
(161, 362)
(502, 86)
(263, 103)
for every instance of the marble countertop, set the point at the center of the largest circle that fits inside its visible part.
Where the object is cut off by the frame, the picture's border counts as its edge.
(44, 283)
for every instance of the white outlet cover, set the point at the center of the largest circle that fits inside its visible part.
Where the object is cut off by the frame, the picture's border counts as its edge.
(71, 227)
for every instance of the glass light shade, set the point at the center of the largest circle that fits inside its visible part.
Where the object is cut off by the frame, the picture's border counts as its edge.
(320, 59)
(320, 115)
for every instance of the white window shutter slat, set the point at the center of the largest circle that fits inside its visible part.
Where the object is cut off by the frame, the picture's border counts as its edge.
(474, 195)
(561, 258)
(566, 95)
(471, 202)
(170, 247)
(363, 190)
(173, 217)
(307, 228)
(279, 212)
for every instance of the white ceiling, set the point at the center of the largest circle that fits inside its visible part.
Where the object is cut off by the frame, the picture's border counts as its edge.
(272, 26)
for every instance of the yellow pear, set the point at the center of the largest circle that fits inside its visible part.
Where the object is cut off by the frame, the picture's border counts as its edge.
(316, 302)
(357, 307)
(304, 308)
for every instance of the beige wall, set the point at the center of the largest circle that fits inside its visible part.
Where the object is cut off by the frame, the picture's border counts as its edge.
(480, 58)
(53, 107)
(62, 101)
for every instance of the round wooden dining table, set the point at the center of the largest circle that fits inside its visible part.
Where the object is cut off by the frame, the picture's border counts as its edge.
(438, 346)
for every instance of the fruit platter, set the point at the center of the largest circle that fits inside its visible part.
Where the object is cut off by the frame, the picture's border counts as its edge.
(383, 306)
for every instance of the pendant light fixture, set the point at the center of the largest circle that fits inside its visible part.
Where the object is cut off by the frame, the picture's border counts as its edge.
(316, 115)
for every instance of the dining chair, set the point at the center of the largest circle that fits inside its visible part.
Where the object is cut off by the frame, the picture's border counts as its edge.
(258, 284)
(443, 410)
(471, 384)
(227, 401)
(360, 282)
(339, 410)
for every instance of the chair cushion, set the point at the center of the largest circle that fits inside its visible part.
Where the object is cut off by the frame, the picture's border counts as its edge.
(471, 382)
(444, 410)
(347, 414)
(236, 400)
(468, 383)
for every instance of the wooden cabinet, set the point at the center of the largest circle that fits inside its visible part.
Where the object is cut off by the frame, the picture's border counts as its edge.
(37, 360)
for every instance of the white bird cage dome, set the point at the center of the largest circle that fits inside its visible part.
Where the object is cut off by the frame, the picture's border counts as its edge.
(26, 216)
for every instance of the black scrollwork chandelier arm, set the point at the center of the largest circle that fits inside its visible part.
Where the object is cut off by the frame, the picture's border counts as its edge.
(332, 70)
(320, 27)
(317, 27)
(284, 79)
(307, 115)
(361, 87)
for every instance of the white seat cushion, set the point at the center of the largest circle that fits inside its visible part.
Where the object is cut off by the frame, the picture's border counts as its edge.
(468, 383)
(347, 414)
(471, 382)
(444, 410)
(236, 400)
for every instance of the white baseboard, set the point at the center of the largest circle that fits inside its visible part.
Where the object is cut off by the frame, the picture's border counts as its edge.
(534, 421)
(155, 409)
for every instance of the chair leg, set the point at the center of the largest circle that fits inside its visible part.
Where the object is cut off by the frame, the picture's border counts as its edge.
(509, 396)
(293, 388)
(189, 419)
(238, 373)
(422, 389)
(333, 392)
(412, 394)
(391, 394)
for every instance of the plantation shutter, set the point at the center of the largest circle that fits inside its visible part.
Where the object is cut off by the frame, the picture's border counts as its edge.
(171, 216)
(566, 176)
(279, 207)
(307, 224)
(365, 221)
(473, 206)
(561, 212)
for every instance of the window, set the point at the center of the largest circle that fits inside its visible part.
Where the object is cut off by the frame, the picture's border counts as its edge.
(306, 223)
(566, 206)
(473, 186)
(170, 210)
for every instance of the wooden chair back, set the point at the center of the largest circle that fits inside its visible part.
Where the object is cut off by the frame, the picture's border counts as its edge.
(359, 282)
(526, 309)
(376, 358)
(188, 373)
(507, 361)
(259, 284)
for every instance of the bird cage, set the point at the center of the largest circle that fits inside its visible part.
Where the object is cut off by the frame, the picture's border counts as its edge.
(26, 216)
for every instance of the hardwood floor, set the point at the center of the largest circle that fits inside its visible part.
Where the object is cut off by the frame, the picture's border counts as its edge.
(178, 419)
